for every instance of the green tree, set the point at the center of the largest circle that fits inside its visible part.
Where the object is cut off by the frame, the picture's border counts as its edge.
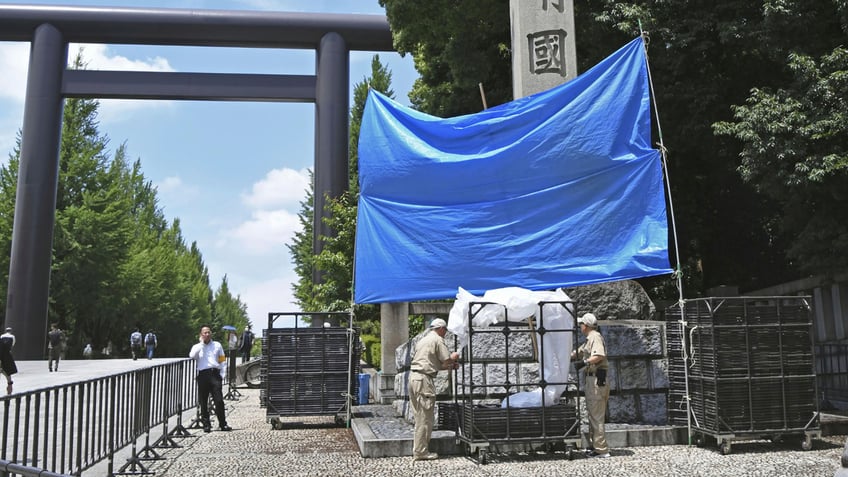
(301, 252)
(227, 310)
(455, 47)
(795, 153)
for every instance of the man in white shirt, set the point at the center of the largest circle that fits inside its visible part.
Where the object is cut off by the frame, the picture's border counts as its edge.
(7, 362)
(210, 357)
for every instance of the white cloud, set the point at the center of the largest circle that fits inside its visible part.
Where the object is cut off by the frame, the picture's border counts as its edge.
(169, 184)
(172, 190)
(100, 57)
(265, 232)
(14, 58)
(274, 295)
(279, 188)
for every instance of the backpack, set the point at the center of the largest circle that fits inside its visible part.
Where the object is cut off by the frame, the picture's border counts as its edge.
(150, 339)
(135, 338)
(55, 338)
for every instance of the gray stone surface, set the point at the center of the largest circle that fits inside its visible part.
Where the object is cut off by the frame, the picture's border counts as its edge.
(543, 45)
(313, 446)
(843, 468)
(624, 300)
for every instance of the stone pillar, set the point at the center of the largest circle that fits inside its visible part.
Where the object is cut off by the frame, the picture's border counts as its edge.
(394, 331)
(544, 52)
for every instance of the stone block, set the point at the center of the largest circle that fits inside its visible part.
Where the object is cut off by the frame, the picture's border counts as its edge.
(653, 409)
(442, 382)
(405, 352)
(622, 300)
(492, 346)
(471, 375)
(528, 376)
(401, 383)
(633, 374)
(634, 340)
(497, 376)
(622, 409)
(659, 373)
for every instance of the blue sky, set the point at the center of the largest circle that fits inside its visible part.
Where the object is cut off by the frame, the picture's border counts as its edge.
(233, 173)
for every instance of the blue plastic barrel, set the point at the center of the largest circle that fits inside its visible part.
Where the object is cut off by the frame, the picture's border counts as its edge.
(364, 379)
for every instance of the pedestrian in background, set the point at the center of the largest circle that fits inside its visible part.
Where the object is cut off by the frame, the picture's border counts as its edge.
(135, 343)
(246, 344)
(7, 361)
(592, 357)
(55, 338)
(150, 342)
(431, 355)
(210, 358)
(232, 340)
(87, 352)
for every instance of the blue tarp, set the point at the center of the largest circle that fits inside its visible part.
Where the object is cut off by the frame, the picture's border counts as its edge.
(557, 189)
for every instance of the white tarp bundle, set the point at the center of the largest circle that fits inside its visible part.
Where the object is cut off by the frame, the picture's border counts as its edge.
(520, 304)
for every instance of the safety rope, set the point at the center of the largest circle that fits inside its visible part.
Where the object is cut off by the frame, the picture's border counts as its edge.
(678, 272)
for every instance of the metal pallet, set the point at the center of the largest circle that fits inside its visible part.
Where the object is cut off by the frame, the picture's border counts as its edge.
(309, 371)
(748, 369)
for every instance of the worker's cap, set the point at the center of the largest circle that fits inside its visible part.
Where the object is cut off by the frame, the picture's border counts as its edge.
(589, 320)
(9, 328)
(437, 323)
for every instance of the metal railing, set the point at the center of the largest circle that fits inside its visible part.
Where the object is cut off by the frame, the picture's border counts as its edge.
(832, 372)
(66, 429)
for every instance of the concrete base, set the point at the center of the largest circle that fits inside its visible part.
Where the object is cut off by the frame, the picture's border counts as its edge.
(385, 389)
(393, 435)
(446, 442)
(833, 424)
(370, 445)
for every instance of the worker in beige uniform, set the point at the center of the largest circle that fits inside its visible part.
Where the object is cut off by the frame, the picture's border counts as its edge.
(431, 355)
(592, 356)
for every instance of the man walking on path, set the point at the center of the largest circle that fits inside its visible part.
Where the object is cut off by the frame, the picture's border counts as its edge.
(210, 358)
(431, 355)
(7, 362)
(151, 343)
(246, 344)
(54, 347)
(135, 343)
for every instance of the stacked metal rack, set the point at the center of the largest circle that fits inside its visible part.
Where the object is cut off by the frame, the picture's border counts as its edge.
(746, 365)
(480, 424)
(309, 370)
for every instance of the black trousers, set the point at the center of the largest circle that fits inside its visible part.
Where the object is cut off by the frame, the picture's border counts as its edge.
(209, 381)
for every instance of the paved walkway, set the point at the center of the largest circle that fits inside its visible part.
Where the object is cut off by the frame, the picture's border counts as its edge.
(34, 374)
(315, 446)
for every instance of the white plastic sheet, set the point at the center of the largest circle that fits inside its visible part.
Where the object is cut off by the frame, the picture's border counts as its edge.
(520, 304)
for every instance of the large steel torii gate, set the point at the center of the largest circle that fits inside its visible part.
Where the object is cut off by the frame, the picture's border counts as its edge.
(51, 28)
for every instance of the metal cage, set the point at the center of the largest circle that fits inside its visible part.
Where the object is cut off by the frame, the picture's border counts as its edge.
(480, 423)
(309, 370)
(747, 365)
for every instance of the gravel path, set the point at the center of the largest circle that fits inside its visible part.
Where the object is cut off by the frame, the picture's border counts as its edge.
(314, 446)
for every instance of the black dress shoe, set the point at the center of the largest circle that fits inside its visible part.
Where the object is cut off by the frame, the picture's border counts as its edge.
(225, 428)
(207, 429)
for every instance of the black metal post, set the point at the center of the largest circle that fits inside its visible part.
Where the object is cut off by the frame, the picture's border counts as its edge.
(35, 204)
